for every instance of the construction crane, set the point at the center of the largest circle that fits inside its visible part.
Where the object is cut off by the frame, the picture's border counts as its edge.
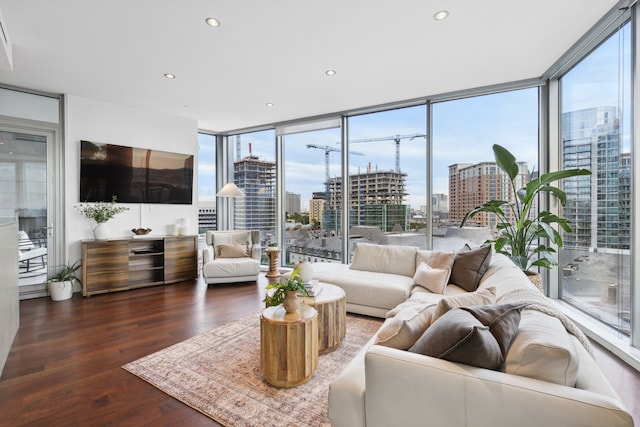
(327, 149)
(396, 138)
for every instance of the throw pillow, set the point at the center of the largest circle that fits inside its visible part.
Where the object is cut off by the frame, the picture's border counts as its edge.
(435, 259)
(433, 279)
(403, 329)
(480, 297)
(459, 337)
(469, 265)
(502, 320)
(233, 251)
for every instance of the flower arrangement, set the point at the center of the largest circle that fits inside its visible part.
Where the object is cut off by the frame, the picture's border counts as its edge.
(276, 292)
(101, 212)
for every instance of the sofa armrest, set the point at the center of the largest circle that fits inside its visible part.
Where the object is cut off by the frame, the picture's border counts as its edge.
(409, 389)
(207, 254)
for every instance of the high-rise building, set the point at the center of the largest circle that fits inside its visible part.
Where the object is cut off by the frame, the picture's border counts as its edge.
(207, 219)
(292, 203)
(316, 207)
(598, 205)
(257, 210)
(471, 185)
(375, 198)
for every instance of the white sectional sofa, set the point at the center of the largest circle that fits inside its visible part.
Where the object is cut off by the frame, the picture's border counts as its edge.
(548, 378)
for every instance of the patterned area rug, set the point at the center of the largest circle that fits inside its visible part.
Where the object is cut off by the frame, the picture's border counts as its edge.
(218, 374)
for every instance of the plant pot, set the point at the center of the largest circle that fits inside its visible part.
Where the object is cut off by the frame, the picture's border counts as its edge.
(102, 231)
(60, 290)
(536, 279)
(291, 302)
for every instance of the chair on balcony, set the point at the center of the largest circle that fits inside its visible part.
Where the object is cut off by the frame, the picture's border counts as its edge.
(28, 251)
(231, 256)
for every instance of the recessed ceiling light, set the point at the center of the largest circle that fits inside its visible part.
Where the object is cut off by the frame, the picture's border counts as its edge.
(212, 22)
(170, 76)
(441, 15)
(330, 72)
(270, 104)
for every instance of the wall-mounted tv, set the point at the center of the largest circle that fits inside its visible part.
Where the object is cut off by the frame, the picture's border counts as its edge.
(134, 175)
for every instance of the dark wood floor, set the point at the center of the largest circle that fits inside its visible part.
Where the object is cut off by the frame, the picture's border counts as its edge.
(64, 368)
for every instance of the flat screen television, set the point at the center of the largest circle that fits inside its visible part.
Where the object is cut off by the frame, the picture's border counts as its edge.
(134, 175)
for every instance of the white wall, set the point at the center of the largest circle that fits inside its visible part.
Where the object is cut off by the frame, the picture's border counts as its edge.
(99, 121)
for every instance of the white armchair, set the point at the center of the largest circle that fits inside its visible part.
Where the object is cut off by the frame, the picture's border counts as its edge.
(231, 256)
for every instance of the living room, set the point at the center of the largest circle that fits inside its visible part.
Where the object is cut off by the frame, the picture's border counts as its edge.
(281, 87)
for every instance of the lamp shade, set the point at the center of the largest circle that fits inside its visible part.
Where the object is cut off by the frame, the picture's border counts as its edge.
(230, 190)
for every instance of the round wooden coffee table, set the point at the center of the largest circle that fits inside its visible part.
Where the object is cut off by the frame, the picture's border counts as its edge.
(331, 305)
(288, 345)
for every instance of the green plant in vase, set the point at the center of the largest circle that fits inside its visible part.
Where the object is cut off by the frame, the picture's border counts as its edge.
(286, 292)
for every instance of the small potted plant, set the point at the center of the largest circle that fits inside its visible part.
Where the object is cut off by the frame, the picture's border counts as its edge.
(61, 285)
(286, 292)
(101, 212)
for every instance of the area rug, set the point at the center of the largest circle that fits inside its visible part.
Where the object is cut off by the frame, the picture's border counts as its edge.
(218, 374)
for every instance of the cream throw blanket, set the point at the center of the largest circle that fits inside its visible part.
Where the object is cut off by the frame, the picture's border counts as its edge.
(539, 302)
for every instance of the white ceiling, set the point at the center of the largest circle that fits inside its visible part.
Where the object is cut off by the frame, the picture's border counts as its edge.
(278, 51)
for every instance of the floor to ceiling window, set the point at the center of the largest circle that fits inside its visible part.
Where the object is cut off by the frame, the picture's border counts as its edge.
(464, 172)
(207, 215)
(312, 162)
(596, 123)
(254, 172)
(387, 176)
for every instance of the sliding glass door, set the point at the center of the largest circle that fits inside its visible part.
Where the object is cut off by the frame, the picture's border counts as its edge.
(23, 199)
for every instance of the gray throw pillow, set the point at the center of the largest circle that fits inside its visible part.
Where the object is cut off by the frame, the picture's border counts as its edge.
(469, 265)
(478, 336)
(459, 337)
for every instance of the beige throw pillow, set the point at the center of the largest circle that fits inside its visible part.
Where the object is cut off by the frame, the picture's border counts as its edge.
(433, 279)
(233, 251)
(480, 297)
(403, 329)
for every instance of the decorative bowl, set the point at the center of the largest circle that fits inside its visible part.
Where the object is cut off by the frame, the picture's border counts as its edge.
(140, 231)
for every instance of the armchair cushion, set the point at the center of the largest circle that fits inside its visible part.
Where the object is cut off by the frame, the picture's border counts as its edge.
(232, 251)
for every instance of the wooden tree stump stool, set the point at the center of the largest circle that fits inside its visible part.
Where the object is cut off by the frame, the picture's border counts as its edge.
(273, 253)
(288, 345)
(331, 305)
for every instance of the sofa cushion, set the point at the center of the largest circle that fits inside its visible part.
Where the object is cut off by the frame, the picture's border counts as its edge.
(433, 279)
(480, 297)
(407, 325)
(223, 267)
(392, 259)
(233, 251)
(469, 266)
(542, 349)
(459, 337)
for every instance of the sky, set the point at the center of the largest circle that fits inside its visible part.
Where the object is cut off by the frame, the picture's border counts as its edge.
(464, 131)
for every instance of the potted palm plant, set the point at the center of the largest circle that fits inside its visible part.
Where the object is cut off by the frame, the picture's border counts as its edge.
(524, 241)
(61, 285)
(285, 292)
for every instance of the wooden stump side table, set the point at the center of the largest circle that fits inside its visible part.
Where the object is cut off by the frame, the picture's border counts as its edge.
(288, 345)
(331, 305)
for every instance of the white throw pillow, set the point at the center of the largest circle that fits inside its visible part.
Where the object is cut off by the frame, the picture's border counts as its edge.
(482, 296)
(433, 279)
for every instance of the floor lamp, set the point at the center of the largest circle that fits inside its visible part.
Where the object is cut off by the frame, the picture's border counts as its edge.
(230, 191)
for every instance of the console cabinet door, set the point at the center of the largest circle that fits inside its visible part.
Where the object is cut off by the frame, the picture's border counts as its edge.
(105, 266)
(180, 258)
